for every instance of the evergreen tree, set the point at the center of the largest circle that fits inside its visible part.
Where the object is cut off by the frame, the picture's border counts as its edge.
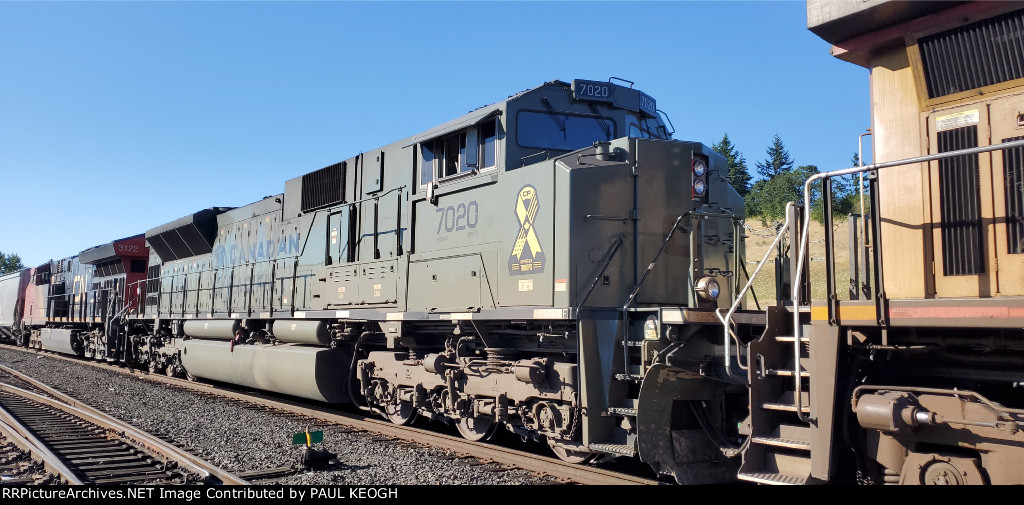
(768, 197)
(778, 160)
(738, 176)
(852, 192)
(844, 189)
(10, 263)
(844, 195)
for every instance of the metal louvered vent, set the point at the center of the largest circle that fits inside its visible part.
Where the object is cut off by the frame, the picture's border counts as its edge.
(324, 187)
(960, 204)
(976, 55)
(153, 280)
(1013, 171)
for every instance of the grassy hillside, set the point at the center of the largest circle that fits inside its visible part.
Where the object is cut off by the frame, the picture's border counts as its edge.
(759, 237)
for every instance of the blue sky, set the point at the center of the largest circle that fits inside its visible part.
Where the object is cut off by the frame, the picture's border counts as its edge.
(118, 117)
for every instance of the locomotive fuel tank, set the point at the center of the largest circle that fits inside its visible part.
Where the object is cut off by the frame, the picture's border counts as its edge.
(301, 332)
(60, 340)
(315, 373)
(221, 330)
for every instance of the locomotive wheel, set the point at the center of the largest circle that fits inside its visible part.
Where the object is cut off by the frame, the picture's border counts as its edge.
(570, 456)
(400, 413)
(153, 367)
(943, 474)
(476, 429)
(170, 370)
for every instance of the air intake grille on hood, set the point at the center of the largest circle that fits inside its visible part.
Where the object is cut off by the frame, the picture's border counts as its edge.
(973, 56)
(324, 187)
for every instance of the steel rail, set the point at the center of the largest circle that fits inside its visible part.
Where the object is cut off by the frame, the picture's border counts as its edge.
(97, 454)
(76, 408)
(581, 474)
(556, 468)
(22, 437)
(125, 430)
(13, 380)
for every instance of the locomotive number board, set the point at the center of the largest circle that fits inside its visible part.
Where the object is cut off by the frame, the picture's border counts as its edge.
(607, 92)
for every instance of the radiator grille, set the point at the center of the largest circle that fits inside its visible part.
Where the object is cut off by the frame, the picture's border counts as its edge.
(324, 187)
(1013, 171)
(960, 204)
(976, 55)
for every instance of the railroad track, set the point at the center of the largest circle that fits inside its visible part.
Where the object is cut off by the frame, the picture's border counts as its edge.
(473, 452)
(15, 380)
(81, 445)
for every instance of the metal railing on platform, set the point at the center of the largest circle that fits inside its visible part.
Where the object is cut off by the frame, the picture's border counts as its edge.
(798, 287)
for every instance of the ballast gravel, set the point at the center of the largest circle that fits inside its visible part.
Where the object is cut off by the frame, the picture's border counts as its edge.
(240, 439)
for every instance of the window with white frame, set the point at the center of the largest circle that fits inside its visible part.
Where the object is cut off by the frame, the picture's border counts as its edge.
(470, 149)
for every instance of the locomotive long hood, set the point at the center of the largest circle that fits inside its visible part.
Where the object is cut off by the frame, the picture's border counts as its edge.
(189, 236)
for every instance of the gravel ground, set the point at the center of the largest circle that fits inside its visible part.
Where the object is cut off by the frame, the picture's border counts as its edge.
(17, 467)
(240, 439)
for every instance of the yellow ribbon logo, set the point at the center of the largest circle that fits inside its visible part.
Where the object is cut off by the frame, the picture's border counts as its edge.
(527, 256)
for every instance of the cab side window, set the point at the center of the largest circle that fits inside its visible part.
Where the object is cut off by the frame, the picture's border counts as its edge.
(443, 157)
(427, 167)
(470, 149)
(454, 155)
(488, 135)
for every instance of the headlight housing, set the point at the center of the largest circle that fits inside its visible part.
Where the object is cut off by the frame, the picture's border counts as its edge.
(707, 288)
(699, 167)
(699, 176)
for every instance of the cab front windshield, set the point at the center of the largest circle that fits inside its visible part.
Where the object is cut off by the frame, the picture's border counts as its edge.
(563, 131)
(646, 128)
